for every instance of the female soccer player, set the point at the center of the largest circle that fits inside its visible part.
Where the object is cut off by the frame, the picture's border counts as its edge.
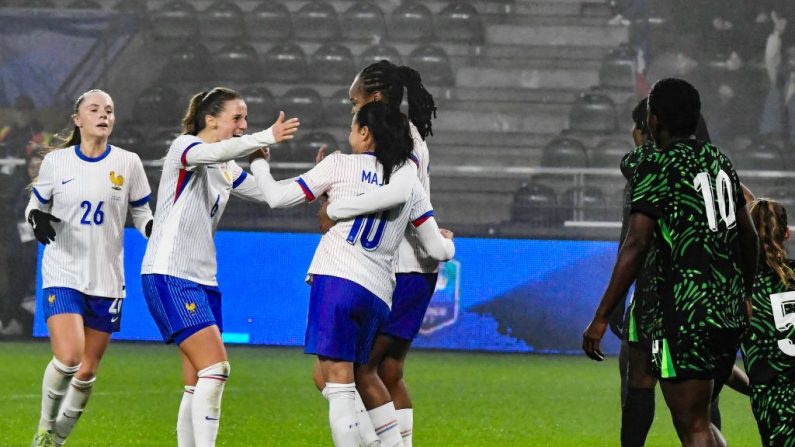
(352, 270)
(768, 347)
(384, 82)
(77, 209)
(179, 267)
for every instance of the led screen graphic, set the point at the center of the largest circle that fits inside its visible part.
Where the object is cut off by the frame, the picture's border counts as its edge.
(497, 295)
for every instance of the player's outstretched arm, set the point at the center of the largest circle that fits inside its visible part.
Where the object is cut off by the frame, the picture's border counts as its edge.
(276, 194)
(438, 243)
(749, 252)
(393, 194)
(630, 261)
(234, 148)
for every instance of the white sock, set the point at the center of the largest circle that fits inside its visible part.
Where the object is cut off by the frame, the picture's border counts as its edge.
(72, 407)
(386, 425)
(342, 413)
(206, 405)
(406, 423)
(184, 422)
(366, 430)
(53, 387)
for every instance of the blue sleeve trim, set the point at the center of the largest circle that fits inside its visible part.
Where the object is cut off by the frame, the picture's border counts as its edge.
(184, 157)
(420, 220)
(41, 199)
(240, 179)
(141, 201)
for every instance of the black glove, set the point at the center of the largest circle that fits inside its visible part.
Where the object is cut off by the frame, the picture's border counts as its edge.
(148, 229)
(42, 227)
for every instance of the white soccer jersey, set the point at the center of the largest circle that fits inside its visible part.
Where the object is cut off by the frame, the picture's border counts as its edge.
(363, 249)
(90, 196)
(412, 256)
(190, 202)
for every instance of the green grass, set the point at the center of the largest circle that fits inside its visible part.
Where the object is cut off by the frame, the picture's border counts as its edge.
(461, 399)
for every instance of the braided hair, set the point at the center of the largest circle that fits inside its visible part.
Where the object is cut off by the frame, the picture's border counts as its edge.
(390, 79)
(770, 220)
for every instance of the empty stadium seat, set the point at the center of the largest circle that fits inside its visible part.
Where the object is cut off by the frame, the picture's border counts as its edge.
(588, 203)
(175, 20)
(760, 157)
(316, 21)
(411, 22)
(535, 204)
(270, 21)
(339, 108)
(608, 153)
(377, 53)
(238, 62)
(285, 63)
(189, 64)
(618, 70)
(564, 153)
(785, 197)
(459, 21)
(159, 105)
(85, 4)
(222, 20)
(40, 4)
(593, 113)
(332, 63)
(363, 21)
(306, 147)
(304, 103)
(156, 145)
(262, 108)
(433, 63)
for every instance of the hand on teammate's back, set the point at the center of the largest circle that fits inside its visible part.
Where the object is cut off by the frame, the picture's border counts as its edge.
(592, 337)
(447, 234)
(284, 130)
(42, 227)
(324, 222)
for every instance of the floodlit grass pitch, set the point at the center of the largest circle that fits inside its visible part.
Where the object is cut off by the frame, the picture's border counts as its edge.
(460, 399)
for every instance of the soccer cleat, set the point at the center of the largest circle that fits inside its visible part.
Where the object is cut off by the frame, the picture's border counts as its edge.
(43, 438)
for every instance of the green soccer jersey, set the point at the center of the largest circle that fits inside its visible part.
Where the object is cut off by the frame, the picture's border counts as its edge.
(692, 190)
(769, 345)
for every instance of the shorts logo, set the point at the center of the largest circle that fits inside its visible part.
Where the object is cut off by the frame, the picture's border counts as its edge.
(116, 181)
(51, 299)
(191, 307)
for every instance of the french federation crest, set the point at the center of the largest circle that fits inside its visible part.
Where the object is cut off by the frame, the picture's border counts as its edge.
(116, 181)
(443, 308)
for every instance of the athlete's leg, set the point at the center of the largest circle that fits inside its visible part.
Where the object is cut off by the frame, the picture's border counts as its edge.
(622, 370)
(206, 353)
(637, 413)
(340, 391)
(185, 414)
(689, 402)
(391, 372)
(375, 395)
(67, 339)
(96, 342)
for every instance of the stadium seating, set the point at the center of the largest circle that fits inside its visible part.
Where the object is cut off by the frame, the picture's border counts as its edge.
(306, 104)
(459, 21)
(587, 203)
(285, 63)
(156, 145)
(269, 21)
(262, 107)
(222, 20)
(617, 70)
(760, 157)
(39, 4)
(175, 20)
(332, 63)
(363, 21)
(238, 62)
(127, 137)
(316, 21)
(157, 105)
(189, 64)
(412, 22)
(608, 153)
(433, 63)
(564, 153)
(305, 148)
(593, 112)
(338, 109)
(535, 204)
(85, 4)
(376, 53)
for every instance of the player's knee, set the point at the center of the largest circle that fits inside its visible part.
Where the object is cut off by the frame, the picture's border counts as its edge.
(219, 371)
(391, 371)
(640, 380)
(70, 359)
(86, 373)
(317, 378)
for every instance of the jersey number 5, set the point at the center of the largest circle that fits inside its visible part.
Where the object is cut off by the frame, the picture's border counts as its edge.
(98, 217)
(784, 319)
(723, 186)
(369, 241)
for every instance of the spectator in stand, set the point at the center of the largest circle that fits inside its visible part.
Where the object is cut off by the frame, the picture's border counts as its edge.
(778, 114)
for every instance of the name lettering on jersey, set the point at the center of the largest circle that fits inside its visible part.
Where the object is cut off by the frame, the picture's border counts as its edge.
(191, 307)
(116, 181)
(371, 178)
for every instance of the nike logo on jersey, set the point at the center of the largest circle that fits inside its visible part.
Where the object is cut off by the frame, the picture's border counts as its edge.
(114, 319)
(63, 182)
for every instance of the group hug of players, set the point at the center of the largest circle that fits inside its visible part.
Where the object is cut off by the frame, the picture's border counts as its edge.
(711, 275)
(372, 275)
